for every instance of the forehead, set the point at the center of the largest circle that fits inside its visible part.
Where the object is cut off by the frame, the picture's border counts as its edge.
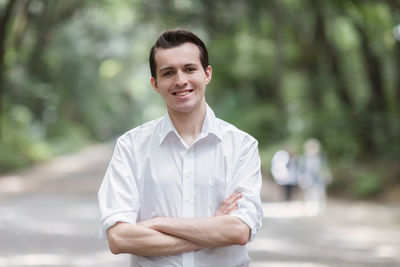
(178, 55)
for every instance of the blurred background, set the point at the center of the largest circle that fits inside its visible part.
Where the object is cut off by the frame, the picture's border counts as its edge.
(76, 72)
(74, 75)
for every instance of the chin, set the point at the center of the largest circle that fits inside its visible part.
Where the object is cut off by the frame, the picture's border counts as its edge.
(182, 109)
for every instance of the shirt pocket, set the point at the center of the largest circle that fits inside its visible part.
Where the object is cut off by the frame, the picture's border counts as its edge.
(217, 192)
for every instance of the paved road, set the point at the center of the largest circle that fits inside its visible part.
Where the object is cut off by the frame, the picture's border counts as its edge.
(48, 217)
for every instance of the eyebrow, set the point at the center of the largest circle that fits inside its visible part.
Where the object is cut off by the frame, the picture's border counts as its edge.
(191, 64)
(171, 68)
(166, 68)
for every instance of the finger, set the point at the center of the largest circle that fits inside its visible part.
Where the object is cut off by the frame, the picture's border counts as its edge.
(235, 208)
(232, 198)
(235, 195)
(226, 203)
(225, 207)
(232, 207)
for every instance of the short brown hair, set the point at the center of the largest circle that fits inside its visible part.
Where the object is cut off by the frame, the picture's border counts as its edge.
(173, 38)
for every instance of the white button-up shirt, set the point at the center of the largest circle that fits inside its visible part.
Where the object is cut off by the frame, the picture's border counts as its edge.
(154, 173)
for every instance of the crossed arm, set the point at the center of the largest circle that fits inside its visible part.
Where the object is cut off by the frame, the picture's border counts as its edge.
(166, 236)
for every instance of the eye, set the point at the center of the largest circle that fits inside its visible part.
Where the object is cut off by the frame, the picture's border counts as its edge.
(190, 69)
(167, 74)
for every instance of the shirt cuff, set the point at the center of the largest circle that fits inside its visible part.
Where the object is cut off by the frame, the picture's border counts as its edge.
(247, 221)
(249, 216)
(127, 217)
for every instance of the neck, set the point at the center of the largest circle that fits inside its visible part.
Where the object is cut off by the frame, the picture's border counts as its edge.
(189, 124)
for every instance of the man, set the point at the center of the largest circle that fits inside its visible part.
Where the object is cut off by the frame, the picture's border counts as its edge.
(182, 190)
(284, 171)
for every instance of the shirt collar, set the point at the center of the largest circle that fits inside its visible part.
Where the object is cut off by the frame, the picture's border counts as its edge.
(166, 127)
(210, 126)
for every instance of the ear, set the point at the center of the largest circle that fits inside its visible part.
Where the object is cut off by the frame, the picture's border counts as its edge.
(154, 84)
(208, 74)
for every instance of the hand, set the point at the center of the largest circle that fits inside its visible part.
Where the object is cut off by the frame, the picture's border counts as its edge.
(230, 204)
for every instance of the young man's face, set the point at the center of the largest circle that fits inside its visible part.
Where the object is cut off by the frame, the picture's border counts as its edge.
(181, 79)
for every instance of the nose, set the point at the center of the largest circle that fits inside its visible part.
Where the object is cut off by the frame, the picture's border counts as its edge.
(180, 80)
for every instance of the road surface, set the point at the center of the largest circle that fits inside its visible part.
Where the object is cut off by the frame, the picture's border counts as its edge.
(49, 217)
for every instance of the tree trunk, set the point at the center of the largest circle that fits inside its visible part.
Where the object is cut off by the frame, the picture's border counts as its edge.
(342, 90)
(279, 55)
(373, 72)
(395, 8)
(376, 110)
(5, 20)
(397, 86)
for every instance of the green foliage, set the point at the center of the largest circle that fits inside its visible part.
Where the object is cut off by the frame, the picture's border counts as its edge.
(76, 71)
(24, 141)
(366, 184)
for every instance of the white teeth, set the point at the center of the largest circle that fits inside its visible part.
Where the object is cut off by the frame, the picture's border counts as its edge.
(182, 93)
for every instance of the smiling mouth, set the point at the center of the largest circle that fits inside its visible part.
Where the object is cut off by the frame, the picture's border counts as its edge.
(182, 93)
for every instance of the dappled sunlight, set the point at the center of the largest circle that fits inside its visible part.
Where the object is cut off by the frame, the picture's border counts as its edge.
(34, 260)
(92, 259)
(292, 248)
(363, 237)
(11, 184)
(278, 246)
(293, 209)
(82, 212)
(384, 214)
(52, 222)
(48, 227)
(345, 233)
(287, 264)
(386, 251)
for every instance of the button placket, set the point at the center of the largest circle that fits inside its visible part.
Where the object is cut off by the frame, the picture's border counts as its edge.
(188, 184)
(188, 193)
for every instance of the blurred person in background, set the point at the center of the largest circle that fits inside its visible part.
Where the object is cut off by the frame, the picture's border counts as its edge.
(284, 171)
(314, 175)
(184, 189)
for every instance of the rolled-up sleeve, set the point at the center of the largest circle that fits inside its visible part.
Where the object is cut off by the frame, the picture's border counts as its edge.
(247, 180)
(118, 196)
